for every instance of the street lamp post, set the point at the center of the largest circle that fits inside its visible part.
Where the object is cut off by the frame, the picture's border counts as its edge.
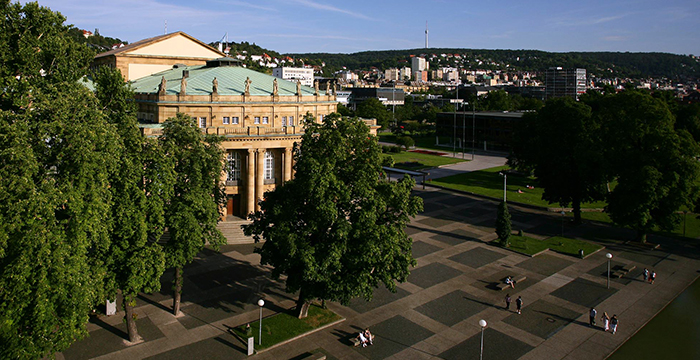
(454, 127)
(609, 256)
(483, 324)
(505, 177)
(563, 214)
(473, 127)
(261, 303)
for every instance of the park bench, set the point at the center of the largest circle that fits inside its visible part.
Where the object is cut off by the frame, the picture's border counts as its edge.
(516, 280)
(356, 342)
(629, 267)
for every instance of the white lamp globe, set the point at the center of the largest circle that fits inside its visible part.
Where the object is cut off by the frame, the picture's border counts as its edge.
(261, 302)
(482, 323)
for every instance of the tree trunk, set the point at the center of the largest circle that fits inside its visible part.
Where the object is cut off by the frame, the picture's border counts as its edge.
(130, 319)
(576, 205)
(303, 305)
(642, 236)
(177, 291)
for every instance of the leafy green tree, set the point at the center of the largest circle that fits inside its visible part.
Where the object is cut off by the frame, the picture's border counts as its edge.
(198, 195)
(503, 224)
(655, 165)
(373, 108)
(498, 100)
(140, 188)
(562, 144)
(337, 229)
(343, 110)
(56, 154)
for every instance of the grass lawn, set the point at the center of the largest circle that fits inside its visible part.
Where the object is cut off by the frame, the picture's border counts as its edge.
(284, 326)
(692, 223)
(422, 161)
(564, 245)
(425, 142)
(489, 183)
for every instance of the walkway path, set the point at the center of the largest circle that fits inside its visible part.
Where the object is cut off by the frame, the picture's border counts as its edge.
(435, 314)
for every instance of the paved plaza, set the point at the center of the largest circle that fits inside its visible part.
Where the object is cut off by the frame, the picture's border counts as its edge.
(435, 314)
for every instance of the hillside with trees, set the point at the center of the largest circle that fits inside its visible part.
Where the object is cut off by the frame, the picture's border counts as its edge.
(601, 64)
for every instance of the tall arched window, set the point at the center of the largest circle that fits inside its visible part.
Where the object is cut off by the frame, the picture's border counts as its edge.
(233, 166)
(269, 165)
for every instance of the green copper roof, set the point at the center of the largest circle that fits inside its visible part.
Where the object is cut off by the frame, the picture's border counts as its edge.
(231, 81)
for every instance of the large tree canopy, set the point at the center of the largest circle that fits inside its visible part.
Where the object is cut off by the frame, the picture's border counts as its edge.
(655, 165)
(56, 154)
(562, 144)
(337, 229)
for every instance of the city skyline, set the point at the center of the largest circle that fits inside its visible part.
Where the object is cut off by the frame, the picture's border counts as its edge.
(299, 26)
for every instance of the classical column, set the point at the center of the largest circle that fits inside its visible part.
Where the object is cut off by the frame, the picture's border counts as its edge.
(259, 178)
(250, 182)
(287, 164)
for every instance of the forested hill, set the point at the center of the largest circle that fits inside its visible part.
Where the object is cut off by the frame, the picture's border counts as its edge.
(603, 64)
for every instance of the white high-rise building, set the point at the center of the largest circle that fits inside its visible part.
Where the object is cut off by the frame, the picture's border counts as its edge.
(418, 64)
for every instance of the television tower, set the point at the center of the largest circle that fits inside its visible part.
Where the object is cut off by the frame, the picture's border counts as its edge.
(426, 34)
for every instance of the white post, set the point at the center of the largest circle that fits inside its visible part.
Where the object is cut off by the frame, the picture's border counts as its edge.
(609, 256)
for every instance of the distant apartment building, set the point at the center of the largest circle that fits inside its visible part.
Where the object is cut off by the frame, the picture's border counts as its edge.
(392, 74)
(347, 76)
(420, 76)
(450, 75)
(418, 64)
(406, 73)
(306, 76)
(561, 82)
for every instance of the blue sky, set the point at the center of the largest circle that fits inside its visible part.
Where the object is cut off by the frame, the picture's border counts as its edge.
(294, 26)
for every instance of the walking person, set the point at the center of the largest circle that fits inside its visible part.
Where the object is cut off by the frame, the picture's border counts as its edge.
(652, 277)
(508, 300)
(613, 324)
(606, 321)
(646, 274)
(519, 304)
(591, 319)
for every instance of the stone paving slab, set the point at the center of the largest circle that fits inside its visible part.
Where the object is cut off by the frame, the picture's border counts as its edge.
(421, 249)
(648, 258)
(432, 274)
(542, 318)
(452, 308)
(545, 264)
(224, 347)
(450, 238)
(435, 222)
(392, 336)
(496, 346)
(110, 339)
(584, 292)
(477, 257)
(382, 296)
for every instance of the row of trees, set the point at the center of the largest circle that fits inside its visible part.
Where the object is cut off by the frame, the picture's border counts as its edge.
(84, 197)
(628, 149)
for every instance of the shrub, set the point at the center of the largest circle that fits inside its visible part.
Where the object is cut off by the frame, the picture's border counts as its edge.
(405, 141)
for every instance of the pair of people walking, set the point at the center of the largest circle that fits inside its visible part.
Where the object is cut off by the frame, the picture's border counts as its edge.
(609, 324)
(649, 276)
(518, 303)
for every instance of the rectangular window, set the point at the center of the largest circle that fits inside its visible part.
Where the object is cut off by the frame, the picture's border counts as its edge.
(226, 120)
(266, 120)
(284, 121)
(202, 122)
(320, 118)
(256, 120)
(234, 120)
(291, 121)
